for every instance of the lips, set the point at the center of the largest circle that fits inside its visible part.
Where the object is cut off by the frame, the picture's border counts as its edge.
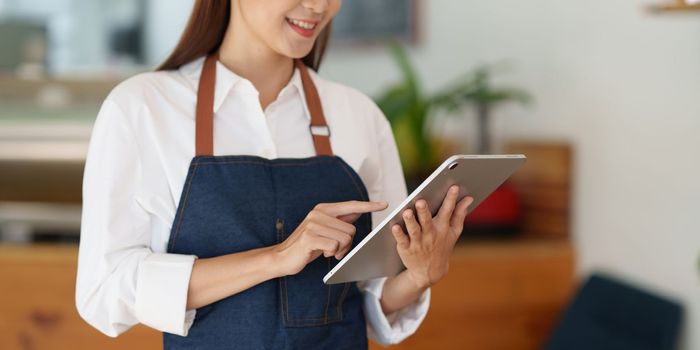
(303, 27)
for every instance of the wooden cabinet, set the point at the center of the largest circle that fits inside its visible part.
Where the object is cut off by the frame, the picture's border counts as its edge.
(496, 296)
(37, 308)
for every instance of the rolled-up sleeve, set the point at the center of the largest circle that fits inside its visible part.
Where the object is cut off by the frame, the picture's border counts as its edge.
(120, 280)
(393, 328)
(397, 326)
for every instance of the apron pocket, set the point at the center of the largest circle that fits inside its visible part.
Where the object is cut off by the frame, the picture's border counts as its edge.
(305, 299)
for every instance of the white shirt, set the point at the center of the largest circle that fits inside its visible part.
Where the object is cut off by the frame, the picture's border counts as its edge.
(141, 145)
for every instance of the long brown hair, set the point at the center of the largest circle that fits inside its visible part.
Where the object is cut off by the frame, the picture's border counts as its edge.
(205, 31)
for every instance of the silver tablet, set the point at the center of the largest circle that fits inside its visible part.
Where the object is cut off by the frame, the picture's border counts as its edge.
(376, 255)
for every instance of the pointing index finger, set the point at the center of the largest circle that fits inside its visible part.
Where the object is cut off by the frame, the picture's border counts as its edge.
(353, 207)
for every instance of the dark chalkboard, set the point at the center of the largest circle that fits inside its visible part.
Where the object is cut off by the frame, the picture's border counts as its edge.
(367, 21)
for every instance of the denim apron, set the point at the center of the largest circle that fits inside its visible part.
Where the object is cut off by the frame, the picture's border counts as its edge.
(234, 203)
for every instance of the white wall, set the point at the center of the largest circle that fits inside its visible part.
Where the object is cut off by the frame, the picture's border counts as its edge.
(622, 84)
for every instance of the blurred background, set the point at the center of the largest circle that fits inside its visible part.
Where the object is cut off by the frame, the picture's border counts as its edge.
(594, 243)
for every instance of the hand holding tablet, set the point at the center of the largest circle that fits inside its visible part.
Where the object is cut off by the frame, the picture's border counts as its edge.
(376, 255)
(426, 244)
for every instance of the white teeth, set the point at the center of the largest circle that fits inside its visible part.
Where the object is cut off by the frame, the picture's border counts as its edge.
(302, 24)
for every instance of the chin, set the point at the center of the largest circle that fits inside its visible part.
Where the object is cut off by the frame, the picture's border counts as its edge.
(297, 52)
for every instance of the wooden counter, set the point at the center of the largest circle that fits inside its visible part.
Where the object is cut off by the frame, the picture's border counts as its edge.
(503, 295)
(498, 296)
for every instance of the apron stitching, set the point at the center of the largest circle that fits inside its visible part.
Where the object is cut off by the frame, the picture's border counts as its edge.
(283, 280)
(342, 299)
(328, 302)
(357, 187)
(314, 321)
(184, 206)
(307, 163)
(283, 294)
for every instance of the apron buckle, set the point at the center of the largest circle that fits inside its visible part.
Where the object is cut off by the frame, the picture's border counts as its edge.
(320, 130)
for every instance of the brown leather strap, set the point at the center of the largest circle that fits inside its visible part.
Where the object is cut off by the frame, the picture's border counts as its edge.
(204, 123)
(318, 127)
(204, 127)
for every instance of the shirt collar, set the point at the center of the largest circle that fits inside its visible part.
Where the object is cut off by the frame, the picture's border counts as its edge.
(227, 80)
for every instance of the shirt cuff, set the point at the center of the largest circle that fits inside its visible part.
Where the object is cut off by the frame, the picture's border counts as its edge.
(161, 292)
(397, 326)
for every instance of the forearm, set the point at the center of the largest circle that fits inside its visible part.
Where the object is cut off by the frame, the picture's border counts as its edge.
(321, 232)
(400, 291)
(216, 278)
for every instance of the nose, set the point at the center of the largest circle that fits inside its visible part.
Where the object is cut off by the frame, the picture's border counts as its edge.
(316, 6)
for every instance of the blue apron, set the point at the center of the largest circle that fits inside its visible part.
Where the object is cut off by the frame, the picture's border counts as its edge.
(234, 203)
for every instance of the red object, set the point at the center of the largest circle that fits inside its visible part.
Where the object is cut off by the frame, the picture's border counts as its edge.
(501, 208)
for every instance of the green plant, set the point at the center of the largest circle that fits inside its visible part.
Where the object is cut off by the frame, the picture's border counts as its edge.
(409, 109)
(476, 90)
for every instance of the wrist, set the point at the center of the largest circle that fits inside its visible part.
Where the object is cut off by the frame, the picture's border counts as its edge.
(274, 261)
(419, 281)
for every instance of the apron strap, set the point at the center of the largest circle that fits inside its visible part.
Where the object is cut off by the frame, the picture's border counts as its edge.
(204, 122)
(318, 127)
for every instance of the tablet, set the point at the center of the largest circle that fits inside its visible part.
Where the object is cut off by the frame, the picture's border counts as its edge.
(376, 255)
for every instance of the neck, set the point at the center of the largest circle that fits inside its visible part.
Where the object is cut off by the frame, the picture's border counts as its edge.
(245, 54)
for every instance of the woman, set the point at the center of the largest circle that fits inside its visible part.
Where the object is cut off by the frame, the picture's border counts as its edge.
(223, 249)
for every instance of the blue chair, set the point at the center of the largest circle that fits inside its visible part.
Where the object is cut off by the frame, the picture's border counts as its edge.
(608, 314)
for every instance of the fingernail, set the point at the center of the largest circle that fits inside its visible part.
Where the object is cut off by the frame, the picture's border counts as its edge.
(407, 214)
(454, 189)
(420, 204)
(470, 200)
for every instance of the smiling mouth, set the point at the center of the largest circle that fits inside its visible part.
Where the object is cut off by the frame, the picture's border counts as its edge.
(302, 24)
